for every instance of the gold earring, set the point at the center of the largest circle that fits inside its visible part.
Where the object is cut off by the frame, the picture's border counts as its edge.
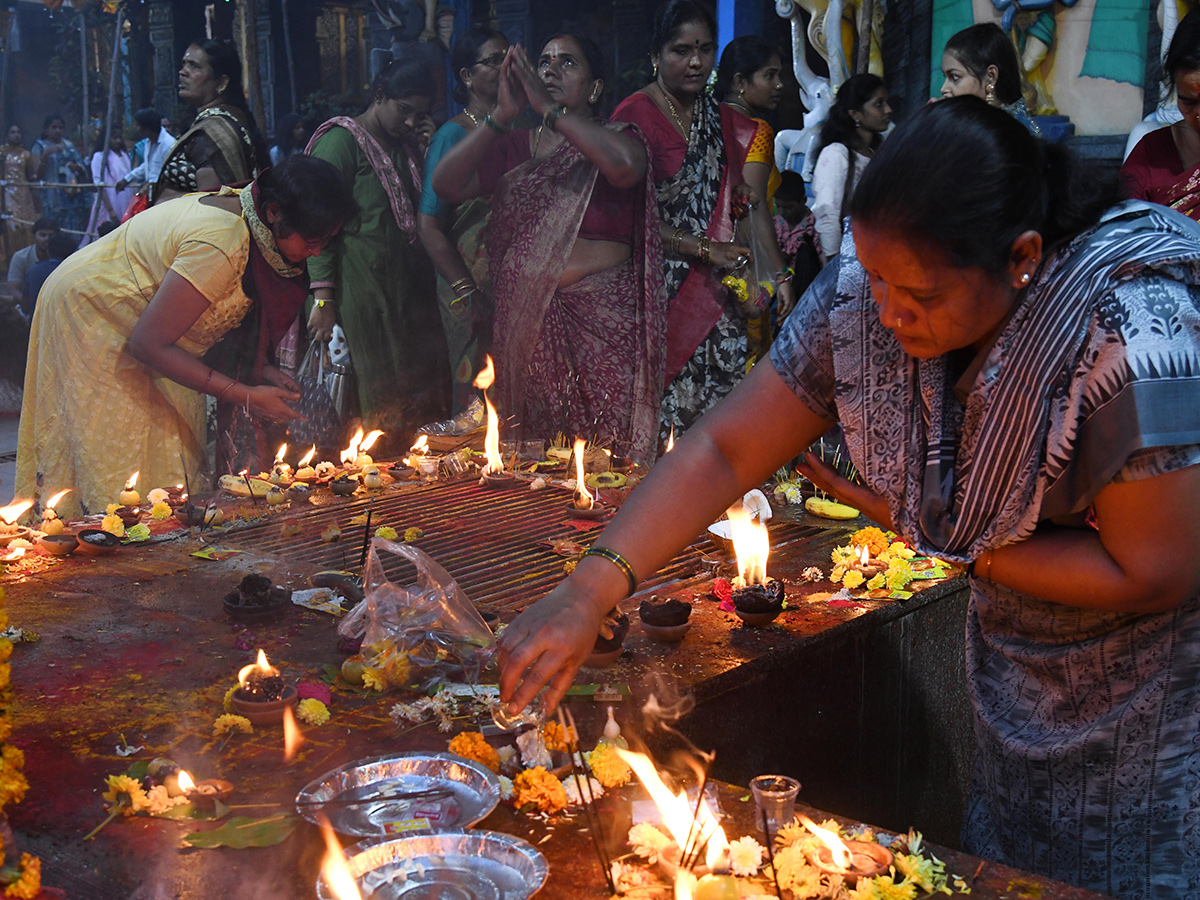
(655, 67)
(990, 94)
(595, 96)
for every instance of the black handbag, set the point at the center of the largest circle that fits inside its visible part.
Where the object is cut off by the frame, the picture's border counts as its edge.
(326, 425)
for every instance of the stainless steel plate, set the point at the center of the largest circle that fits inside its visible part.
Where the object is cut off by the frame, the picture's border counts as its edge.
(450, 865)
(359, 798)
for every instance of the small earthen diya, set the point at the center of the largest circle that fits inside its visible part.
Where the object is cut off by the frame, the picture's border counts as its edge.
(129, 515)
(262, 694)
(204, 794)
(758, 604)
(610, 643)
(257, 599)
(343, 485)
(665, 620)
(189, 513)
(866, 861)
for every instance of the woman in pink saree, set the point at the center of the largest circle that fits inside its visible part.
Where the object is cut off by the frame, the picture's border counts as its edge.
(575, 255)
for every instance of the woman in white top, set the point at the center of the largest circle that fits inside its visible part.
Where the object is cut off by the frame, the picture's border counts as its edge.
(857, 121)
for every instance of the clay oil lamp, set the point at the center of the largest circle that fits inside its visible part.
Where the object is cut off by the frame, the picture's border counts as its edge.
(583, 505)
(51, 523)
(665, 620)
(757, 599)
(851, 860)
(863, 563)
(610, 642)
(9, 529)
(493, 474)
(371, 478)
(304, 470)
(204, 794)
(344, 485)
(177, 496)
(129, 496)
(299, 492)
(276, 496)
(262, 693)
(355, 456)
(408, 465)
(325, 470)
(281, 472)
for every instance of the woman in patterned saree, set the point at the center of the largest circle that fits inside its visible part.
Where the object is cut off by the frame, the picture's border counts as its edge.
(223, 146)
(575, 260)
(114, 381)
(1164, 167)
(697, 152)
(1012, 363)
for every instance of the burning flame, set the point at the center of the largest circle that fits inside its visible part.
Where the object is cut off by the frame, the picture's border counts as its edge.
(369, 440)
(841, 853)
(864, 555)
(491, 443)
(752, 545)
(670, 441)
(261, 665)
(334, 868)
(185, 781)
(292, 738)
(583, 497)
(307, 457)
(129, 485)
(50, 504)
(351, 452)
(14, 511)
(281, 452)
(679, 814)
(421, 446)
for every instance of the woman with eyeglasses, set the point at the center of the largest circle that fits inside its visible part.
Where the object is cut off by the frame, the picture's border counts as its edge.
(453, 235)
(575, 259)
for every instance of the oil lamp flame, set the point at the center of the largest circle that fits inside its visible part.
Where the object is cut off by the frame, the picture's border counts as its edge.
(307, 457)
(132, 482)
(369, 440)
(841, 853)
(14, 511)
(185, 781)
(261, 666)
(864, 555)
(670, 440)
(421, 446)
(53, 501)
(752, 545)
(334, 868)
(281, 453)
(292, 737)
(491, 443)
(583, 497)
(348, 455)
(691, 827)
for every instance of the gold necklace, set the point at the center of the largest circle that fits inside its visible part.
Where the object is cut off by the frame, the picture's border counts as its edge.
(470, 115)
(674, 111)
(537, 139)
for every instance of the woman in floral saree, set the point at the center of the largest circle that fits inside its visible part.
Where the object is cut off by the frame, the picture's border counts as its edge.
(1013, 364)
(574, 254)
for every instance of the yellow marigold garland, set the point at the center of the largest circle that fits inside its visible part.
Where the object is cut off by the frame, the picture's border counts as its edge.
(472, 745)
(539, 788)
(26, 882)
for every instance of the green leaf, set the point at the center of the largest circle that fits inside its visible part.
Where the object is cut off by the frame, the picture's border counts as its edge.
(195, 812)
(242, 831)
(139, 769)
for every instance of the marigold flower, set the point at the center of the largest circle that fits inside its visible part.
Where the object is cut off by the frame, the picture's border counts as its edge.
(472, 745)
(111, 508)
(870, 537)
(157, 495)
(538, 787)
(113, 525)
(884, 887)
(229, 723)
(227, 701)
(160, 510)
(126, 794)
(556, 739)
(6, 649)
(386, 532)
(853, 579)
(610, 770)
(413, 534)
(29, 885)
(877, 581)
(374, 679)
(312, 712)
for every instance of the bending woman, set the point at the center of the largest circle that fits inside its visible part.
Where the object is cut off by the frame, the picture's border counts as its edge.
(697, 152)
(223, 146)
(996, 358)
(453, 236)
(114, 382)
(377, 281)
(854, 130)
(574, 253)
(1164, 167)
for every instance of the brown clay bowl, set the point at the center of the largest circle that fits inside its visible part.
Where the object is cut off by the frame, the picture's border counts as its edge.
(758, 619)
(269, 713)
(94, 542)
(667, 634)
(603, 658)
(129, 515)
(498, 481)
(598, 511)
(58, 544)
(343, 488)
(8, 537)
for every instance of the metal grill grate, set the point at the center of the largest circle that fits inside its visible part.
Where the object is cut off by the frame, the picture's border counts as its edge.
(489, 540)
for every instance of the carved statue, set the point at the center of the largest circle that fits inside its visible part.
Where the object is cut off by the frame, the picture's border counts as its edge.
(1032, 25)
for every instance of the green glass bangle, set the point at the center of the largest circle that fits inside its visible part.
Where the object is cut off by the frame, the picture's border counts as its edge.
(617, 560)
(550, 119)
(494, 125)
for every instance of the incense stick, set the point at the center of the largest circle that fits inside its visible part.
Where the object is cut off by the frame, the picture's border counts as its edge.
(362, 561)
(588, 800)
(246, 478)
(187, 487)
(694, 854)
(771, 852)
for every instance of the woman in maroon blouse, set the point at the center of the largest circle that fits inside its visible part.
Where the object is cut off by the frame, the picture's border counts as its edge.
(575, 257)
(1164, 167)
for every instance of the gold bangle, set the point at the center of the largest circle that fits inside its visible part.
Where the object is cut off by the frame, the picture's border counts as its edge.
(617, 560)
(225, 389)
(705, 253)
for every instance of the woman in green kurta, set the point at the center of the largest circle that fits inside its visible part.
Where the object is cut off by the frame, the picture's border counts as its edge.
(377, 282)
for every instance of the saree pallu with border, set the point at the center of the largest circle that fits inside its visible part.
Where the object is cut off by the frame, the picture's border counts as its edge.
(585, 359)
(217, 138)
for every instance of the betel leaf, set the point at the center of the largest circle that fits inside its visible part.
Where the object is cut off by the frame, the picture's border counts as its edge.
(242, 831)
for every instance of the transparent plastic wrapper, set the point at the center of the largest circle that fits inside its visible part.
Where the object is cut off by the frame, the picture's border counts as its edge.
(417, 635)
(753, 283)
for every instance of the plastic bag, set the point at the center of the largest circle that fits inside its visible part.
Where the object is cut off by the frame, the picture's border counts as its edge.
(418, 635)
(752, 284)
(325, 425)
